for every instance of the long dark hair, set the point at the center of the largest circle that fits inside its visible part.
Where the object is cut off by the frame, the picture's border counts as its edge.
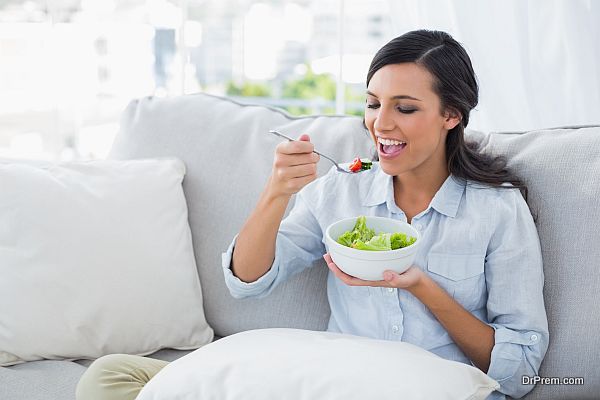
(456, 85)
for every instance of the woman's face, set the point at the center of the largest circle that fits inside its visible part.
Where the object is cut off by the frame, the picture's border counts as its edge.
(403, 116)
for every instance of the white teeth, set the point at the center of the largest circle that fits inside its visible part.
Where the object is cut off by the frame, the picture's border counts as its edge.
(389, 142)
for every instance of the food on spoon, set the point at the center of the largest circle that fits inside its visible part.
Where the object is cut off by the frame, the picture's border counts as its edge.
(359, 164)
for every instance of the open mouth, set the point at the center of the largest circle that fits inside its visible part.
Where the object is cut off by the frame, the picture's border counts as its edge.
(391, 150)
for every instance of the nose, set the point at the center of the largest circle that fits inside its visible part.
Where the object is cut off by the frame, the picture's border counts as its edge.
(383, 121)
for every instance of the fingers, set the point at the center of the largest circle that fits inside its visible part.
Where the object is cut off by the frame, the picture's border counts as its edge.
(344, 277)
(286, 160)
(296, 171)
(295, 147)
(353, 281)
(294, 166)
(391, 277)
(294, 185)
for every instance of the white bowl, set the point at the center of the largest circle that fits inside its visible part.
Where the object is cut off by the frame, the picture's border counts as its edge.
(370, 265)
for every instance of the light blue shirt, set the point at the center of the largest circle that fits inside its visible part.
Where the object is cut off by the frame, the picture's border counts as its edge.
(478, 243)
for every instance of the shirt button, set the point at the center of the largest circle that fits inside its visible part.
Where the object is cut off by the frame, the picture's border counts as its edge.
(395, 328)
(391, 290)
(534, 337)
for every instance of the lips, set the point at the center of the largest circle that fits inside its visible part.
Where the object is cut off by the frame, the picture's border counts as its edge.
(389, 151)
(382, 139)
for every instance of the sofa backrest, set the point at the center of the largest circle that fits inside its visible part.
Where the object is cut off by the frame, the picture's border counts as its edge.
(561, 167)
(229, 155)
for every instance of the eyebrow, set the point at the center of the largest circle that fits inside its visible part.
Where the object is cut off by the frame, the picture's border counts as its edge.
(400, 96)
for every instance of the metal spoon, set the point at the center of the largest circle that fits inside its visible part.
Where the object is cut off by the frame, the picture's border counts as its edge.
(344, 167)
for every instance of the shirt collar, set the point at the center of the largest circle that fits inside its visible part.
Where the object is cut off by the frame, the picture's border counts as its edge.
(380, 188)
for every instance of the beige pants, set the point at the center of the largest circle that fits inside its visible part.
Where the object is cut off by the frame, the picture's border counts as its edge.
(117, 377)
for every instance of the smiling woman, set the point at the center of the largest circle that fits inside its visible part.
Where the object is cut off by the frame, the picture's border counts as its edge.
(428, 95)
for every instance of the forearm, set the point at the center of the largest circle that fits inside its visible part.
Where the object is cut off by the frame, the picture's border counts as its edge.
(253, 258)
(472, 336)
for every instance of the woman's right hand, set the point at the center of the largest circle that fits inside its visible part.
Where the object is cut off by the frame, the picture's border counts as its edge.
(294, 166)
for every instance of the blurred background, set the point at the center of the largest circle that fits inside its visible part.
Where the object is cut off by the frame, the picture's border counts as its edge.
(68, 68)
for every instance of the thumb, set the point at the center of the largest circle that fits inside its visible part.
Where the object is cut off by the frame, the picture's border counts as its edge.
(304, 137)
(390, 276)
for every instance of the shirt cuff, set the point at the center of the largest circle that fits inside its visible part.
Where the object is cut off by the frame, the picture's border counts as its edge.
(240, 289)
(507, 354)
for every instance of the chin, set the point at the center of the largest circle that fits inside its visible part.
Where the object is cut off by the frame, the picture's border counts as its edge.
(390, 167)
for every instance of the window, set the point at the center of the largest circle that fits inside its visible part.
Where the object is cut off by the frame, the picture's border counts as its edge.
(70, 67)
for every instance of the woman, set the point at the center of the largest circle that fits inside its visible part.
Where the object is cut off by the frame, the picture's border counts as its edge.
(474, 294)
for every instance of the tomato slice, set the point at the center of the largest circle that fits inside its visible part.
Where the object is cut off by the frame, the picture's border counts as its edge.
(356, 165)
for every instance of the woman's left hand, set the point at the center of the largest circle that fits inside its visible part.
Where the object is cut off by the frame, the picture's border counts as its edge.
(406, 280)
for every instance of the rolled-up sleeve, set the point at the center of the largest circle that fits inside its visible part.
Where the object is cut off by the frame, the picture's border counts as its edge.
(298, 245)
(240, 289)
(515, 306)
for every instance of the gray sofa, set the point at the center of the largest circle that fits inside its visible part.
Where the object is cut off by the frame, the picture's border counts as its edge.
(229, 156)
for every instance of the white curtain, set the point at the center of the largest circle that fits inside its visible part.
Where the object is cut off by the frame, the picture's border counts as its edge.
(537, 61)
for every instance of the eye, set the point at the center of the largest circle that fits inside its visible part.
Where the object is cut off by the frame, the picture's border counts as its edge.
(375, 106)
(406, 110)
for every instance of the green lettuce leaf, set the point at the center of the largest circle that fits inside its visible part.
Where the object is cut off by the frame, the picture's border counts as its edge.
(363, 238)
(377, 243)
(360, 232)
(400, 240)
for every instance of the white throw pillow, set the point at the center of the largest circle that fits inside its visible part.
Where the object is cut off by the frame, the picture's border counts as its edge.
(95, 258)
(292, 364)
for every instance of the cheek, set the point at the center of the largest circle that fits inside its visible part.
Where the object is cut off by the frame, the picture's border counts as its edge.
(419, 129)
(370, 122)
(416, 122)
(369, 119)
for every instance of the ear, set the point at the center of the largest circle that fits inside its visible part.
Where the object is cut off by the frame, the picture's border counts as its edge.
(452, 118)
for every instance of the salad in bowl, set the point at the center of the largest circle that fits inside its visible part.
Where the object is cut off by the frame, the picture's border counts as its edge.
(366, 246)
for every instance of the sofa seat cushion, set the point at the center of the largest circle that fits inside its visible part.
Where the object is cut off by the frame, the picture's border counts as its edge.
(55, 380)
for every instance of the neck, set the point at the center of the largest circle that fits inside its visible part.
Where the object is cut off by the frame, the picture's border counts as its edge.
(420, 185)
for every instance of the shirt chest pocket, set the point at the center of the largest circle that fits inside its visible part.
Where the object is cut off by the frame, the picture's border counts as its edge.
(461, 275)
